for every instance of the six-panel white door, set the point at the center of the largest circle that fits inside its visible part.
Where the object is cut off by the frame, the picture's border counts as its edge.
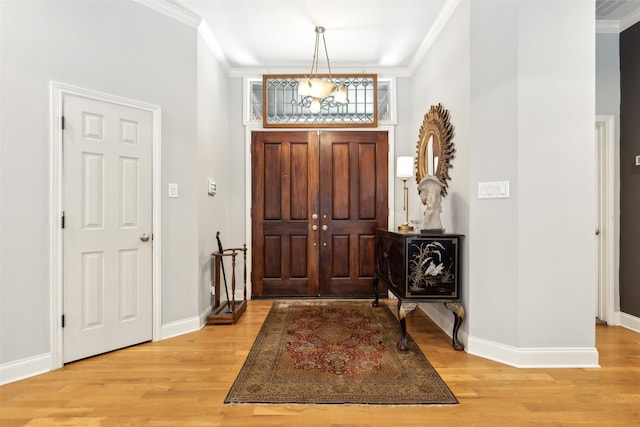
(107, 199)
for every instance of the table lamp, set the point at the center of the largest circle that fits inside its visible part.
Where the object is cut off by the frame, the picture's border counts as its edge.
(404, 170)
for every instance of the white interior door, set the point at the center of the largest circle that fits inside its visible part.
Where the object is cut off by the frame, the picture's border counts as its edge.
(607, 264)
(107, 202)
(599, 201)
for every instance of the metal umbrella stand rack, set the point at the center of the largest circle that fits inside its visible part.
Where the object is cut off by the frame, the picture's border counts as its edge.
(231, 310)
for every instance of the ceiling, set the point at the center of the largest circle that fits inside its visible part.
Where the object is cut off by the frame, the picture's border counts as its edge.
(616, 10)
(361, 35)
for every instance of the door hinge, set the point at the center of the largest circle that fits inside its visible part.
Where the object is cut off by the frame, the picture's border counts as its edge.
(62, 220)
(63, 320)
(62, 122)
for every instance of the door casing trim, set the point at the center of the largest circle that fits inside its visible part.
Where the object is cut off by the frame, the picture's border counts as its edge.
(56, 255)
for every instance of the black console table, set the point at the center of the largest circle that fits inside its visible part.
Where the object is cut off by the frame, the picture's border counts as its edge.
(419, 268)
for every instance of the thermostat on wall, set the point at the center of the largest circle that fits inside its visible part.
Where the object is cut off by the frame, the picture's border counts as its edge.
(212, 188)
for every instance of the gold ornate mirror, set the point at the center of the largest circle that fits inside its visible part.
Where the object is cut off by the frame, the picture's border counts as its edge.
(435, 146)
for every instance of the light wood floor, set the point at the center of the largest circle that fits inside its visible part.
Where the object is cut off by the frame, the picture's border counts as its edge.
(183, 381)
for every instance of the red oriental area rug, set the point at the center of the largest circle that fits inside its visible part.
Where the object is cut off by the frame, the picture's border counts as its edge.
(335, 352)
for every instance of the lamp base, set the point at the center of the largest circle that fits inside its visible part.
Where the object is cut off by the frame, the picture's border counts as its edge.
(405, 227)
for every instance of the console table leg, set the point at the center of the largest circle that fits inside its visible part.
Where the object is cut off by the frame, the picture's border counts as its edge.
(375, 303)
(403, 312)
(458, 313)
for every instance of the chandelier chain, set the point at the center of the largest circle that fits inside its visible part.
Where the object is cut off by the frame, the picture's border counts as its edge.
(316, 51)
(326, 54)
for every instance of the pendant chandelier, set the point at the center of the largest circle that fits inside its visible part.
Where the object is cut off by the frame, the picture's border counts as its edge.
(319, 92)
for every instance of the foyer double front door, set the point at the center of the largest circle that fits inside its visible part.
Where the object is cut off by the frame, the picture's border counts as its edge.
(317, 199)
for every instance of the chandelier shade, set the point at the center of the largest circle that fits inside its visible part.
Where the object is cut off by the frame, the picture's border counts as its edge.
(321, 88)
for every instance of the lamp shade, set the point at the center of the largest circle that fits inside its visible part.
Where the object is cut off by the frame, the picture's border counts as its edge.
(321, 88)
(315, 106)
(341, 96)
(404, 167)
(304, 87)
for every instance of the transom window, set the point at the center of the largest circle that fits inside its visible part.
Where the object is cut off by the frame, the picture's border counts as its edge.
(285, 108)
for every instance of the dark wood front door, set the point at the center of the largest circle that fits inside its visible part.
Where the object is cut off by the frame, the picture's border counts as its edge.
(317, 199)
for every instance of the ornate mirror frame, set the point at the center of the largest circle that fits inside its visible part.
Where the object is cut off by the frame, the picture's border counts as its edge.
(435, 146)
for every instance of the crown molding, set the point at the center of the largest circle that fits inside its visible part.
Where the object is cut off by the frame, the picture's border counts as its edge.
(443, 17)
(191, 19)
(618, 26)
(252, 72)
(630, 20)
(176, 12)
(214, 47)
(607, 27)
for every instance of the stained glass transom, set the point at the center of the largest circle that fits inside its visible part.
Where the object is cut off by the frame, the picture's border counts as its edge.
(286, 108)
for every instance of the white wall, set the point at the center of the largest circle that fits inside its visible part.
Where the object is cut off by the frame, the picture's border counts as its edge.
(443, 77)
(608, 75)
(494, 154)
(213, 162)
(556, 169)
(120, 48)
(518, 79)
(238, 147)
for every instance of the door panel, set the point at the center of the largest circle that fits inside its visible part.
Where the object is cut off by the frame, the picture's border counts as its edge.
(316, 202)
(353, 203)
(284, 182)
(107, 203)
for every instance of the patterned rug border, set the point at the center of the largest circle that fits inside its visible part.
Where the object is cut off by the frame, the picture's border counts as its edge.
(246, 391)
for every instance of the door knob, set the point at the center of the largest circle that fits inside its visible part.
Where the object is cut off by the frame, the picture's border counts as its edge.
(325, 227)
(314, 227)
(314, 216)
(144, 237)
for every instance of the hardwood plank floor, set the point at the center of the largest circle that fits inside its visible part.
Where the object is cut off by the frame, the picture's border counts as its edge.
(183, 381)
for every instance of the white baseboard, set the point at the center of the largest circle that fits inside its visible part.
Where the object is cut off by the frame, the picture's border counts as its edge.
(36, 365)
(204, 315)
(514, 356)
(629, 321)
(25, 368)
(180, 327)
(569, 357)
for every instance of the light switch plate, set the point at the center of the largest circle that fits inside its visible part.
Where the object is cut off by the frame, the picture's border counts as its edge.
(173, 190)
(637, 160)
(212, 187)
(493, 190)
